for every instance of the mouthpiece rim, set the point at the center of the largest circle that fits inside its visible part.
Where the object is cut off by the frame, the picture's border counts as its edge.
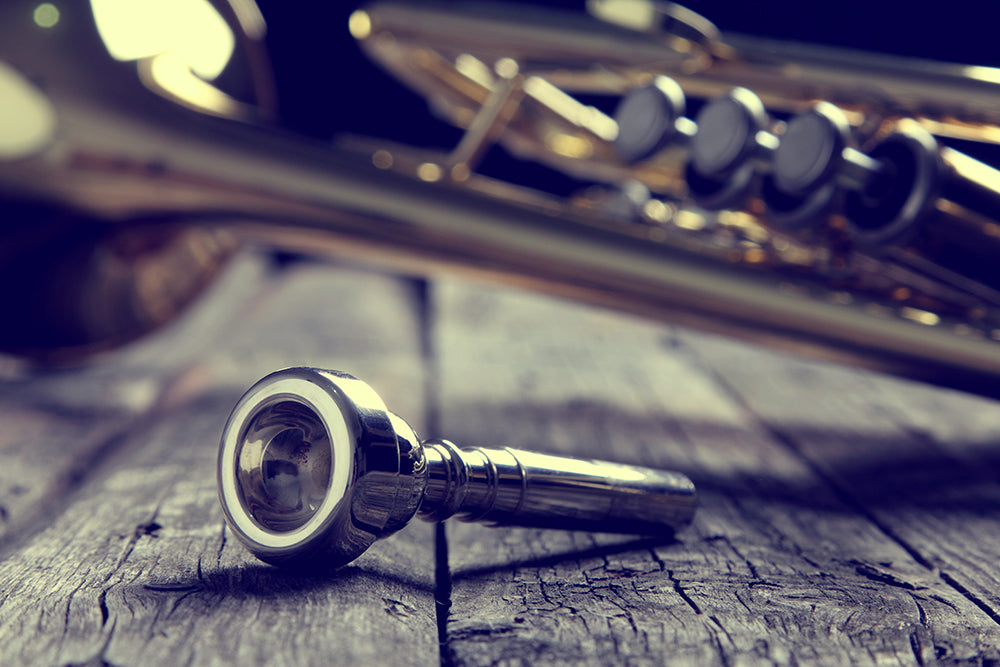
(317, 394)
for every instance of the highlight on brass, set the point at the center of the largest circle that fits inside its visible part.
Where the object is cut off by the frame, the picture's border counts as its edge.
(733, 184)
(29, 121)
(181, 46)
(313, 469)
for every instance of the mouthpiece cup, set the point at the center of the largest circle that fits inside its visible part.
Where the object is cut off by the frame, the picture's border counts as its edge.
(302, 457)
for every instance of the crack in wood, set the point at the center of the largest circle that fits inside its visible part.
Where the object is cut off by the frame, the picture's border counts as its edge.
(222, 545)
(751, 568)
(875, 574)
(681, 592)
(921, 614)
(717, 643)
(179, 600)
(102, 603)
(917, 649)
(482, 632)
(397, 608)
(943, 601)
(98, 659)
(146, 528)
(969, 595)
(66, 613)
(442, 593)
(169, 587)
(656, 559)
(424, 299)
(718, 623)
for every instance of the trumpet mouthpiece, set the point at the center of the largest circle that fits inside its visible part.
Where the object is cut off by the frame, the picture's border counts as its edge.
(313, 469)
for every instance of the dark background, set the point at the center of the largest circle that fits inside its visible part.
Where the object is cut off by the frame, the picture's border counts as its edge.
(327, 86)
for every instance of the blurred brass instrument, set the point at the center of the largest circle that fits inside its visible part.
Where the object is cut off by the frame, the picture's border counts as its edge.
(809, 205)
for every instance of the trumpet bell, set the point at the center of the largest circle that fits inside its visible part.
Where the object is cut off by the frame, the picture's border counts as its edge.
(71, 288)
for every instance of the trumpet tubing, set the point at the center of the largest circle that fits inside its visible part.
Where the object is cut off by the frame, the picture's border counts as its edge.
(792, 210)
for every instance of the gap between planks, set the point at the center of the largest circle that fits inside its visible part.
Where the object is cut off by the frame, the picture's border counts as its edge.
(424, 296)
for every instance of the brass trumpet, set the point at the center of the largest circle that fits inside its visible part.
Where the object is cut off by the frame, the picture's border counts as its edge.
(795, 209)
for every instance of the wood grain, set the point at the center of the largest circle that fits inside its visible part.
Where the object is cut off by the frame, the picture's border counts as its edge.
(921, 462)
(782, 565)
(844, 519)
(60, 423)
(138, 568)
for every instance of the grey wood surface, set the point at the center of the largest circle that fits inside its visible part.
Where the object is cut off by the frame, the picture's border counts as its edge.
(844, 519)
(812, 544)
(58, 424)
(136, 568)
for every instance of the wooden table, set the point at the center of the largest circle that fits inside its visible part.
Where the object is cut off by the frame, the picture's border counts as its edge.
(844, 518)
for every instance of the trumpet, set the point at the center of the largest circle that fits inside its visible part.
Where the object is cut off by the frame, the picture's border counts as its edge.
(796, 209)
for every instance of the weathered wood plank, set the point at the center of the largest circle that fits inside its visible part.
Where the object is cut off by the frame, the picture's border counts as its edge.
(778, 566)
(58, 423)
(139, 569)
(922, 462)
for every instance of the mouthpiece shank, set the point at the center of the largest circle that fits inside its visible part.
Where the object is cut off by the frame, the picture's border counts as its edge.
(519, 488)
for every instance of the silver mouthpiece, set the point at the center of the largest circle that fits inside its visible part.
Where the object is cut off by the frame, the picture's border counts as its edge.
(313, 469)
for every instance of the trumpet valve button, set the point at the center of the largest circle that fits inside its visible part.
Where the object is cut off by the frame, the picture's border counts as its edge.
(648, 120)
(726, 138)
(810, 150)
